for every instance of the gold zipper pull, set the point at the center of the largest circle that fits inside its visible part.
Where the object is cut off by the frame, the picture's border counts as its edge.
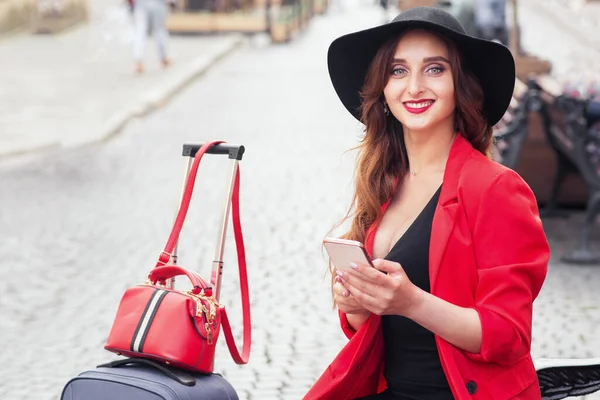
(209, 335)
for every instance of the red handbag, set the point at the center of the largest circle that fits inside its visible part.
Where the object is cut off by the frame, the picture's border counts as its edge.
(178, 327)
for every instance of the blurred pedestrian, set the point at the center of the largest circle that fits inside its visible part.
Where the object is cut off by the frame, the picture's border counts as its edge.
(130, 5)
(457, 236)
(150, 18)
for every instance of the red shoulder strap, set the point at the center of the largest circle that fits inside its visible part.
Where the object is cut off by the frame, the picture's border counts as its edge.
(165, 255)
(241, 253)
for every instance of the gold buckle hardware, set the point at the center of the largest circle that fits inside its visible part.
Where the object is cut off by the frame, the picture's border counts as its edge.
(162, 284)
(209, 335)
(211, 312)
(168, 254)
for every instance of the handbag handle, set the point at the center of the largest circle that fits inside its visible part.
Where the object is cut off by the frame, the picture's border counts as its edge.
(177, 375)
(169, 271)
(165, 256)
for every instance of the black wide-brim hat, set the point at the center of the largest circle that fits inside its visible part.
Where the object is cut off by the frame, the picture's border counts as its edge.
(350, 56)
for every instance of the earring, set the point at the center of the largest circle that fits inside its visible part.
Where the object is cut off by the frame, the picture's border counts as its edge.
(386, 110)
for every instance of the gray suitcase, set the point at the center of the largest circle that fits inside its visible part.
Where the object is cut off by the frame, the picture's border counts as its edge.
(140, 379)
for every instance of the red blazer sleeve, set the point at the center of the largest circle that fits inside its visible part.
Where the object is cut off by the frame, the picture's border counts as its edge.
(512, 255)
(346, 328)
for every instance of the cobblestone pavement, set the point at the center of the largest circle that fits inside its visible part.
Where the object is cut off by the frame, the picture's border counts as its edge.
(80, 86)
(82, 225)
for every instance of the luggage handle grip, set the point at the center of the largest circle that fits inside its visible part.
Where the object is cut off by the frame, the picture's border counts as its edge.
(176, 375)
(234, 151)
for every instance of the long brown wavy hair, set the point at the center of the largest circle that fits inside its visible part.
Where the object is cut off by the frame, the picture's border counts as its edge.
(382, 158)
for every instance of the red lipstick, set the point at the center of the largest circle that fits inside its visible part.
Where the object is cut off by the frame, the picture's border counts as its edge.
(418, 106)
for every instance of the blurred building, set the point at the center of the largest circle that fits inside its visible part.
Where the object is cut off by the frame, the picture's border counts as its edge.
(281, 19)
(41, 16)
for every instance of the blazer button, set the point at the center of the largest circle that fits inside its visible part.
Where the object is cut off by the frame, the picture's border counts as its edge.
(471, 387)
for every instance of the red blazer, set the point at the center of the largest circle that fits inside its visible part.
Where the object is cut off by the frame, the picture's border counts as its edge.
(489, 252)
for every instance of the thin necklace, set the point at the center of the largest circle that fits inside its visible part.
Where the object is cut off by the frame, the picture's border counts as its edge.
(414, 173)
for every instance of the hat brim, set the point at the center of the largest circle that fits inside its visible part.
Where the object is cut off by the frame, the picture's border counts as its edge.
(350, 56)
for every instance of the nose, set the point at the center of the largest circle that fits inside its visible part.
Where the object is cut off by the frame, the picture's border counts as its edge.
(415, 85)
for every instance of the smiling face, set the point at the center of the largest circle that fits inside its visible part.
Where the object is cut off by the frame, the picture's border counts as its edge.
(420, 89)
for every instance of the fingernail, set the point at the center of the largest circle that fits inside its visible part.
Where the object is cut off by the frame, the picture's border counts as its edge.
(339, 273)
(344, 293)
(353, 265)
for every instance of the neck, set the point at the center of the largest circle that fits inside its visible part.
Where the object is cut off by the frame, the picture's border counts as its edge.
(428, 151)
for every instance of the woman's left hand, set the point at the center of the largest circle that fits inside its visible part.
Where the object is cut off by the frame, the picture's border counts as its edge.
(391, 294)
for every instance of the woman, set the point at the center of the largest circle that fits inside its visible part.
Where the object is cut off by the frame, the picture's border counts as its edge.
(458, 236)
(150, 16)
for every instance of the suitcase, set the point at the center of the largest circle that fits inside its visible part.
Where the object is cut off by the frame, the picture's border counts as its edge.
(140, 379)
(136, 378)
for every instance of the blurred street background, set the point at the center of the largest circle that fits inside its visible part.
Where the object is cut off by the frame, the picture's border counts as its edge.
(91, 171)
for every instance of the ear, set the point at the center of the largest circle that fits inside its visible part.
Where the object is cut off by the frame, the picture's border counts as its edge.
(383, 99)
(384, 104)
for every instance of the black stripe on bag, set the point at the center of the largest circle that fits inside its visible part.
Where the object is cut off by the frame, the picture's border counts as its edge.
(139, 325)
(154, 310)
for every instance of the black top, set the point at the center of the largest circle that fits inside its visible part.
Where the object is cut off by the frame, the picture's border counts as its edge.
(412, 363)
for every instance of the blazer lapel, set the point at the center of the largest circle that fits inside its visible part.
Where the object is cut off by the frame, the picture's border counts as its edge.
(447, 208)
(443, 222)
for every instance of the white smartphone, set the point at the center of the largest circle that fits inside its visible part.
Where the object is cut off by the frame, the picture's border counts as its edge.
(342, 252)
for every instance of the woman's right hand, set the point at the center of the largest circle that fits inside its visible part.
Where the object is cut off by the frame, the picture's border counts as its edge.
(344, 300)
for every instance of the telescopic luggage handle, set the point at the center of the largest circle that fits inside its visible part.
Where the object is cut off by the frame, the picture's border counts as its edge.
(234, 151)
(169, 254)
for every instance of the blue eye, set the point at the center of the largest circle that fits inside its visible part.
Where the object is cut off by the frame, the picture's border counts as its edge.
(436, 70)
(398, 71)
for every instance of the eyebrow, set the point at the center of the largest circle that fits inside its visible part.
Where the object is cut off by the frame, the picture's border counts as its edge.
(426, 59)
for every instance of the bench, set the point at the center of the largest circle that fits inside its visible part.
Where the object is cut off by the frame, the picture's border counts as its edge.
(511, 131)
(577, 146)
(561, 378)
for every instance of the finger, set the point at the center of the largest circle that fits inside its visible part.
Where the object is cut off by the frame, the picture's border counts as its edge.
(358, 283)
(339, 278)
(340, 282)
(358, 270)
(339, 289)
(340, 275)
(369, 273)
(390, 267)
(341, 300)
(347, 304)
(363, 299)
(347, 301)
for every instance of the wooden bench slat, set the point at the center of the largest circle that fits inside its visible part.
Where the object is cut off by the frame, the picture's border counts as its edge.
(549, 85)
